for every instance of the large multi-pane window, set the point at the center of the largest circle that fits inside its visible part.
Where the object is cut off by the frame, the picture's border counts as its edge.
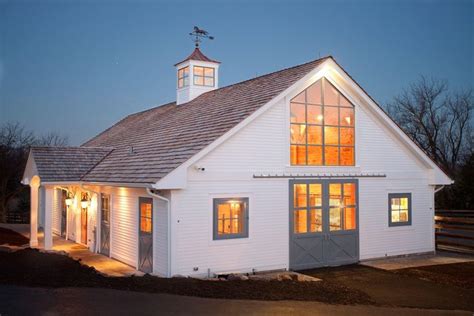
(183, 77)
(322, 127)
(203, 76)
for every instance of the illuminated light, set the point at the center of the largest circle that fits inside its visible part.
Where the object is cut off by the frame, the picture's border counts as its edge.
(68, 201)
(348, 120)
(84, 203)
(320, 117)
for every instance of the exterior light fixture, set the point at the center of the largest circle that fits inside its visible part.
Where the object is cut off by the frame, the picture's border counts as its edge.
(85, 201)
(68, 201)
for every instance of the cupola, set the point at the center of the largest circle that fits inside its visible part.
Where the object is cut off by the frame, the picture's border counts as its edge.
(196, 74)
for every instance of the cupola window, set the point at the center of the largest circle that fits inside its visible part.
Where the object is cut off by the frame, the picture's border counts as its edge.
(203, 76)
(183, 77)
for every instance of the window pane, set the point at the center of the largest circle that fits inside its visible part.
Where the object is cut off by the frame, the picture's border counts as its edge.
(331, 115)
(395, 204)
(300, 220)
(330, 94)
(230, 217)
(335, 194)
(331, 156)
(315, 155)
(298, 134)
(347, 136)
(145, 224)
(349, 194)
(186, 81)
(186, 71)
(198, 81)
(180, 83)
(209, 82)
(347, 156)
(331, 135)
(315, 135)
(349, 218)
(298, 155)
(198, 71)
(299, 98)
(404, 216)
(404, 203)
(209, 72)
(395, 216)
(297, 114)
(315, 195)
(344, 101)
(347, 116)
(314, 93)
(315, 115)
(316, 221)
(335, 219)
(145, 209)
(299, 195)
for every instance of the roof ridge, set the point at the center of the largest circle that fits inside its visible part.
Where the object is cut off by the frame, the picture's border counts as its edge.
(75, 147)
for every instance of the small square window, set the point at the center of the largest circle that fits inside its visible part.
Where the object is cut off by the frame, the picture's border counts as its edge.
(399, 209)
(231, 218)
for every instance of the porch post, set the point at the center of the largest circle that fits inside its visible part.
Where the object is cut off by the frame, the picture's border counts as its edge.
(34, 192)
(48, 213)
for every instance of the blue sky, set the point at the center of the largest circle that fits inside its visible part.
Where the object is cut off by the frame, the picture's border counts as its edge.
(76, 67)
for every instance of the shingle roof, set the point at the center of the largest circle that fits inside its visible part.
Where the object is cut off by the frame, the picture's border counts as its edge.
(197, 55)
(66, 163)
(166, 136)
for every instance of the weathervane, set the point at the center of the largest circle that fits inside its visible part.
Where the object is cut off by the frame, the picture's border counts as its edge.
(198, 34)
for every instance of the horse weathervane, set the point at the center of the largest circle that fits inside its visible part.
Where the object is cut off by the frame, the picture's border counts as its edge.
(198, 34)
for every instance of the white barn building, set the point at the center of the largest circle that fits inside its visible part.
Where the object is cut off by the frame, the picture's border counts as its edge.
(295, 169)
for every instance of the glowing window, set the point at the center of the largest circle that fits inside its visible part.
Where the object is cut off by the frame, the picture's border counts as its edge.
(399, 209)
(231, 218)
(322, 127)
(203, 76)
(146, 213)
(183, 77)
(105, 204)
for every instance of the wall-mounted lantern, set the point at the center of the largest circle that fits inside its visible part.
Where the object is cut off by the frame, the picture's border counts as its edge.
(85, 200)
(69, 200)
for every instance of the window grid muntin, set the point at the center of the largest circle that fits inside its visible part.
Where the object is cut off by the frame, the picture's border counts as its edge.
(105, 207)
(183, 74)
(323, 145)
(204, 76)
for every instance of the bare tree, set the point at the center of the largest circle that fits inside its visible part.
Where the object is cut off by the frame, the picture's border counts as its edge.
(438, 120)
(15, 142)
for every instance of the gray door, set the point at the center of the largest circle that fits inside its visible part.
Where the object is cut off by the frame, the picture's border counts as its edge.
(323, 223)
(145, 235)
(63, 213)
(105, 225)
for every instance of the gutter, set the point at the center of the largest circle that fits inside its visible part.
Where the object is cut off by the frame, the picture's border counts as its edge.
(148, 190)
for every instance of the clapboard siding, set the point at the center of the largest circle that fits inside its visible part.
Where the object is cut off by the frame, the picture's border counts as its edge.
(262, 147)
(160, 237)
(125, 228)
(56, 216)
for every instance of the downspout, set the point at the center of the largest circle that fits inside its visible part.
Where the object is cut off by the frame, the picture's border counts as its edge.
(97, 223)
(148, 190)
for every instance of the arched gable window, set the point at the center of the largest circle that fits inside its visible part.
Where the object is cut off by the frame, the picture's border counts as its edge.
(322, 127)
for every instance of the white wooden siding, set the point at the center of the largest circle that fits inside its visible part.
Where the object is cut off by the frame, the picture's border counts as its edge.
(124, 245)
(262, 147)
(160, 237)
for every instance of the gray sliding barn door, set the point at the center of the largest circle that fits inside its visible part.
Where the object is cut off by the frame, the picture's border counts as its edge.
(105, 224)
(323, 223)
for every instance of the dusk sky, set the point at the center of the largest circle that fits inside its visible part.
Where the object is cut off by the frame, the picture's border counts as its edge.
(76, 67)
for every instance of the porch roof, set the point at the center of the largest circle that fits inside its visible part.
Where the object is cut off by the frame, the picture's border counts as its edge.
(66, 163)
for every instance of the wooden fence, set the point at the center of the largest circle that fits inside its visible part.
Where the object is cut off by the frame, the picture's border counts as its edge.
(454, 230)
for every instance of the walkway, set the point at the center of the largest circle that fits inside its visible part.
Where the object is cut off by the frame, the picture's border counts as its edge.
(101, 263)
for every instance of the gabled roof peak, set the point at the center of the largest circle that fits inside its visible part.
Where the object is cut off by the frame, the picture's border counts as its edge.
(198, 55)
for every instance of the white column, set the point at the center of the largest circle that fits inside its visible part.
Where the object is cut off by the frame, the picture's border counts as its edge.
(34, 193)
(48, 214)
